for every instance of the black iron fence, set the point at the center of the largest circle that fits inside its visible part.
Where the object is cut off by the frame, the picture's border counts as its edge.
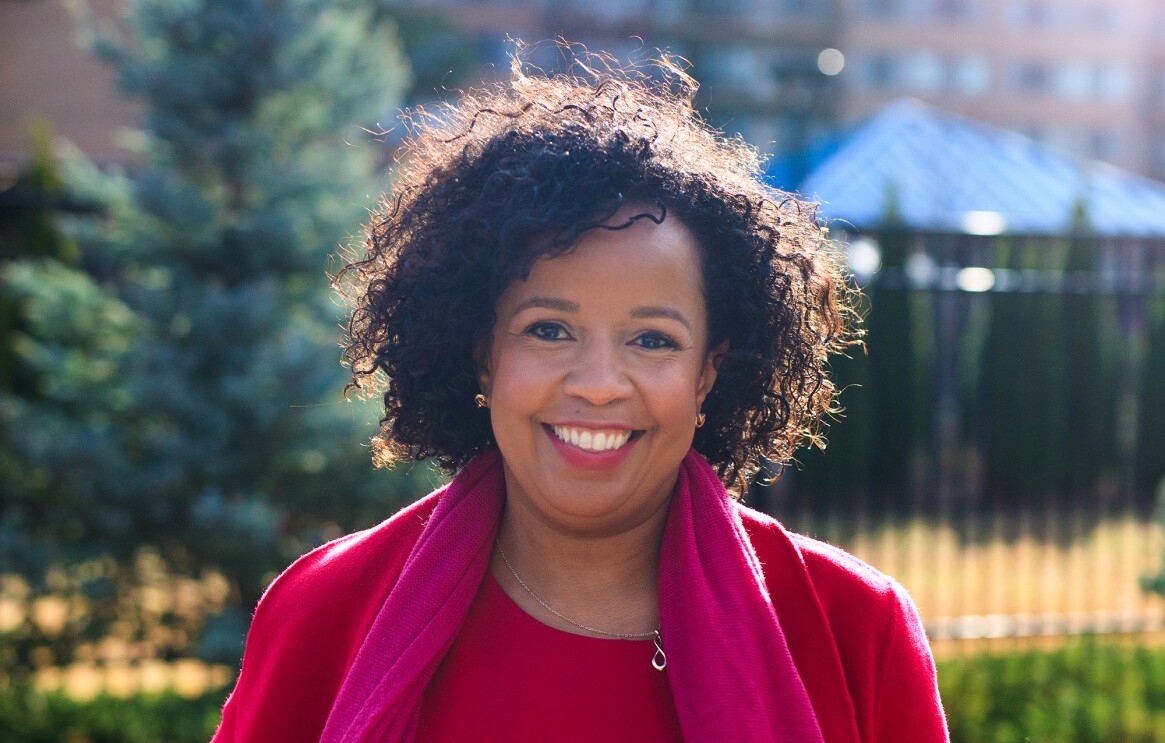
(1004, 441)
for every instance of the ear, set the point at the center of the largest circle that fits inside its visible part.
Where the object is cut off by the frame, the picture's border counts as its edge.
(711, 368)
(481, 365)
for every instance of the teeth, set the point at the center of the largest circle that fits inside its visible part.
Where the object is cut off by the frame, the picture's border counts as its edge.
(592, 440)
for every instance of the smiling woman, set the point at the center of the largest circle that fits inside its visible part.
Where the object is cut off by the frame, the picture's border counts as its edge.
(606, 342)
(586, 305)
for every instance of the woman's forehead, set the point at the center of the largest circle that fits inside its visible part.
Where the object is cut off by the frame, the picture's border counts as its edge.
(641, 259)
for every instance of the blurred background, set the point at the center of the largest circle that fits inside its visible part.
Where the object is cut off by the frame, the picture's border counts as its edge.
(177, 177)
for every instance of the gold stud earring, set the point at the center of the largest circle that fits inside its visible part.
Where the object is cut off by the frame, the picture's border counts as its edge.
(700, 418)
(481, 400)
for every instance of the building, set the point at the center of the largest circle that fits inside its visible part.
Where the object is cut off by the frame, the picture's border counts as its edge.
(46, 76)
(1087, 76)
(933, 171)
(756, 60)
(1084, 75)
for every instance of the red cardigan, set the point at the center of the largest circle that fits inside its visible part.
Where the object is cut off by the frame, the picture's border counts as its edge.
(853, 633)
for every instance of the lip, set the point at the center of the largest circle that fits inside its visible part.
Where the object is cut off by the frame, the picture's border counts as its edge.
(584, 458)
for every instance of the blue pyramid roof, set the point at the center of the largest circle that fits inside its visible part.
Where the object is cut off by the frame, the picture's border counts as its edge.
(935, 168)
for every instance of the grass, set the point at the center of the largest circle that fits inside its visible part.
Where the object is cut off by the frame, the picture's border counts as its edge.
(1084, 573)
(1070, 568)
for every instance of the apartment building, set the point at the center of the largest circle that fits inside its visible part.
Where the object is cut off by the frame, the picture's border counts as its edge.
(46, 77)
(1085, 75)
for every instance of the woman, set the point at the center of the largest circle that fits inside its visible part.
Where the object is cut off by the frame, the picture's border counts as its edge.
(585, 303)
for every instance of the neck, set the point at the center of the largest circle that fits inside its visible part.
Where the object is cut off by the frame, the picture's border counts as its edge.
(608, 581)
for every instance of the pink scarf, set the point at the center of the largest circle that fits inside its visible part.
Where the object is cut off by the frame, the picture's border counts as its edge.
(730, 670)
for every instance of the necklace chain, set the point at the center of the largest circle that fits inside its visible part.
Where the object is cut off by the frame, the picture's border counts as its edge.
(659, 660)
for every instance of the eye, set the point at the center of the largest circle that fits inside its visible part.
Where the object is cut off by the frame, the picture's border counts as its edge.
(654, 341)
(548, 331)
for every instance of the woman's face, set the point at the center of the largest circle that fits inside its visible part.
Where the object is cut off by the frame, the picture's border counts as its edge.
(597, 367)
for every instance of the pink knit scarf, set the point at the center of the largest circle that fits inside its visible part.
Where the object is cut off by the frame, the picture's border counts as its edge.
(730, 670)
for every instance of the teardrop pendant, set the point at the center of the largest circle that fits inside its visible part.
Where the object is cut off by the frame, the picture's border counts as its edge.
(659, 660)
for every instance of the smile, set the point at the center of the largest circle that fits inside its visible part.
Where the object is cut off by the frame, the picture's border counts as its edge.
(591, 440)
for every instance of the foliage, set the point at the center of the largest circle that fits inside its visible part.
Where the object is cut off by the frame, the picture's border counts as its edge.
(885, 393)
(896, 380)
(1086, 692)
(1048, 385)
(30, 716)
(183, 382)
(1050, 390)
(1151, 436)
(442, 57)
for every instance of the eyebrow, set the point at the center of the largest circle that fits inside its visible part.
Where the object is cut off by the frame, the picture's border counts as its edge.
(550, 303)
(662, 312)
(565, 305)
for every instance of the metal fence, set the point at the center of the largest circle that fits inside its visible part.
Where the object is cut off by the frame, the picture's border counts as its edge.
(1030, 415)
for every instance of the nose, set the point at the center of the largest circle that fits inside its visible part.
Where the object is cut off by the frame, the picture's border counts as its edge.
(597, 374)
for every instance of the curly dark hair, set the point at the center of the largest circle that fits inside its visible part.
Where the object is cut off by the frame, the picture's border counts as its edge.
(518, 171)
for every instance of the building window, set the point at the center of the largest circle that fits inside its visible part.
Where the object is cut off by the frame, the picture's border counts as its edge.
(956, 11)
(880, 9)
(874, 71)
(724, 8)
(732, 65)
(1114, 81)
(971, 75)
(1034, 14)
(1031, 76)
(1102, 17)
(667, 10)
(1074, 80)
(923, 72)
(809, 9)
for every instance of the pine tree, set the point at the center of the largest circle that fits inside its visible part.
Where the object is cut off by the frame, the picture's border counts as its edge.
(1090, 336)
(1020, 408)
(1151, 437)
(190, 386)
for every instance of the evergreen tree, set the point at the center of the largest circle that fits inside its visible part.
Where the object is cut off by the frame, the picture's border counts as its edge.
(1021, 401)
(1090, 374)
(189, 390)
(836, 476)
(1151, 436)
(892, 384)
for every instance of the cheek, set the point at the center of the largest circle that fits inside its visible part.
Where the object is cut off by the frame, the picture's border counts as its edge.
(518, 379)
(675, 394)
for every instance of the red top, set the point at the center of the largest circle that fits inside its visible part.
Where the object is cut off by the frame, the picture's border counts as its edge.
(508, 677)
(854, 635)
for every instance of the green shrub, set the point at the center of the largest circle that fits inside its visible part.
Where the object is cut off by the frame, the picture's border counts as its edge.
(28, 716)
(1087, 692)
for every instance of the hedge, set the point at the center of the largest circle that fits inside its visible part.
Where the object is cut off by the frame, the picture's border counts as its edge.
(28, 716)
(1087, 692)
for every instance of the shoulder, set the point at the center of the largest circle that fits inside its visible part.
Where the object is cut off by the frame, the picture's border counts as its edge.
(309, 625)
(836, 575)
(356, 561)
(862, 606)
(329, 587)
(824, 597)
